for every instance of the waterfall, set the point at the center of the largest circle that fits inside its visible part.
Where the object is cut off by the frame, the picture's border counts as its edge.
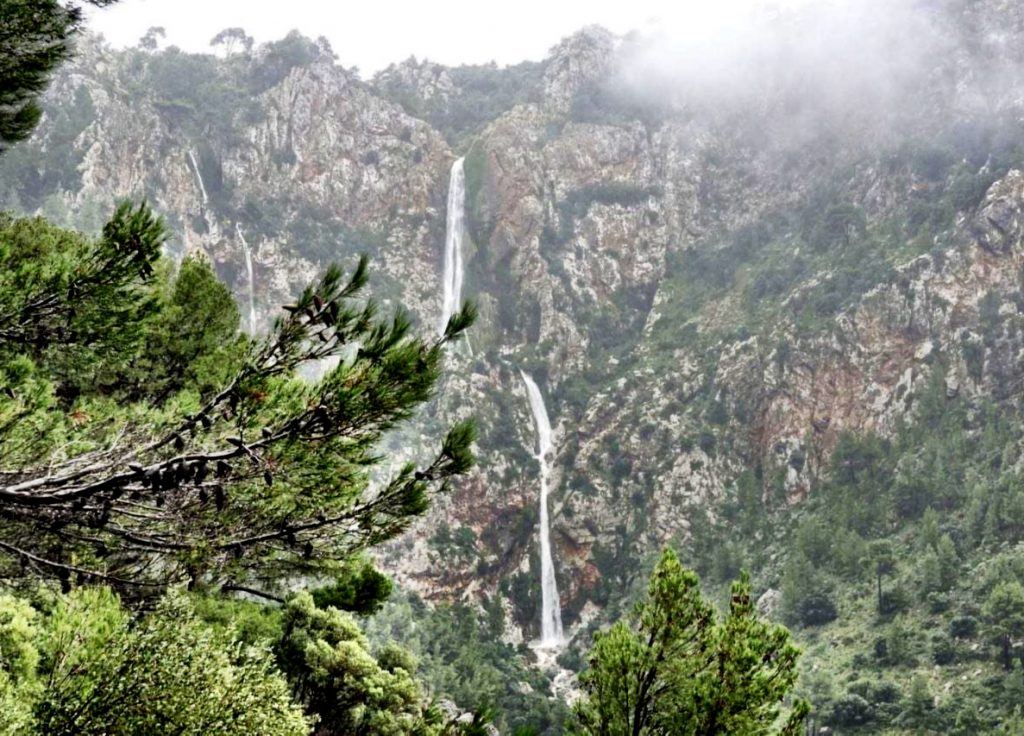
(551, 612)
(252, 281)
(199, 177)
(454, 233)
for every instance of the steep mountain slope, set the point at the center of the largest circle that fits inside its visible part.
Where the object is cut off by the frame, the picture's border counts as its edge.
(714, 279)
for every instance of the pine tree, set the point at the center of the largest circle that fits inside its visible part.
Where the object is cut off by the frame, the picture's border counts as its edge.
(1004, 616)
(146, 443)
(675, 668)
(35, 38)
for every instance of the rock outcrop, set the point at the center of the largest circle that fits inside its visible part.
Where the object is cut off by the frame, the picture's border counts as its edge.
(698, 299)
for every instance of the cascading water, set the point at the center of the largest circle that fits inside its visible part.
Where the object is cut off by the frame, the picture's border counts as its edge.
(454, 235)
(199, 177)
(252, 281)
(551, 613)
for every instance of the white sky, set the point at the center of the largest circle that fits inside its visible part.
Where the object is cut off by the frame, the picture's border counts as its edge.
(370, 34)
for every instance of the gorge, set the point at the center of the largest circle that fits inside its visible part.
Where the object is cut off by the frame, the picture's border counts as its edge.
(776, 326)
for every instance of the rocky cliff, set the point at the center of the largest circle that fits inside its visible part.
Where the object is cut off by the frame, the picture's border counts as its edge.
(703, 292)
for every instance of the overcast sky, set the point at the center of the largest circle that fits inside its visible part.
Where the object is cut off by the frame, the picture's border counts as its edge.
(370, 34)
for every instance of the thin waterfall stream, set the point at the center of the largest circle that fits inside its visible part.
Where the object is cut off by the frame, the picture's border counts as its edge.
(455, 231)
(199, 177)
(252, 281)
(551, 635)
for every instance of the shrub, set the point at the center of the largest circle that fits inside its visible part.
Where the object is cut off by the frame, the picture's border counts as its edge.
(884, 691)
(963, 627)
(938, 602)
(359, 589)
(893, 601)
(943, 649)
(898, 646)
(327, 659)
(816, 609)
(851, 710)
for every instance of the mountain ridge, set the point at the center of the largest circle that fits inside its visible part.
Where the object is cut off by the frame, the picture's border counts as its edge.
(703, 297)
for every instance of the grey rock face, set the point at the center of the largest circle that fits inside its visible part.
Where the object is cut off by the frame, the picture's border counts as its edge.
(614, 254)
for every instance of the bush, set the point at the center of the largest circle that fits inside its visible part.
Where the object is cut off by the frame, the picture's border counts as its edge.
(884, 691)
(893, 601)
(898, 646)
(938, 602)
(816, 609)
(359, 589)
(327, 659)
(963, 627)
(943, 650)
(851, 710)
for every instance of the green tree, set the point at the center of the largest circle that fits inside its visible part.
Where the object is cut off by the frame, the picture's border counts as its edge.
(232, 38)
(87, 667)
(1004, 614)
(940, 566)
(918, 706)
(35, 38)
(360, 588)
(881, 559)
(147, 444)
(328, 660)
(808, 596)
(150, 41)
(675, 668)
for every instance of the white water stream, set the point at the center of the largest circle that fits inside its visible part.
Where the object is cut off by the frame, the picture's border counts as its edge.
(199, 177)
(454, 235)
(252, 281)
(551, 635)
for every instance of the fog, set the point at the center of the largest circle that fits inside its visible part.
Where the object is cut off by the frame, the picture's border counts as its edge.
(846, 66)
(373, 35)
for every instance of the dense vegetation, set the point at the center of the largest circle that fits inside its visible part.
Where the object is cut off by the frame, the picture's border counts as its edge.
(675, 668)
(157, 463)
(154, 456)
(902, 574)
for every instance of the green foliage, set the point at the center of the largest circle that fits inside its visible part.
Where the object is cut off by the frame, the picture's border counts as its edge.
(481, 93)
(327, 659)
(78, 306)
(35, 39)
(807, 595)
(851, 710)
(1003, 612)
(359, 589)
(903, 544)
(193, 342)
(675, 668)
(462, 658)
(97, 336)
(277, 59)
(86, 666)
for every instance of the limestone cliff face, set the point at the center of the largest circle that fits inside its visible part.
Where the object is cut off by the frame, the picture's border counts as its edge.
(318, 168)
(698, 296)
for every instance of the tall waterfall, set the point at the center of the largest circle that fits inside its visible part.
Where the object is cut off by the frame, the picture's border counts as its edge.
(199, 177)
(252, 281)
(454, 234)
(551, 613)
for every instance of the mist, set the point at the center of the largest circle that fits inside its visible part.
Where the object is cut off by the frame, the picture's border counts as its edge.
(842, 68)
